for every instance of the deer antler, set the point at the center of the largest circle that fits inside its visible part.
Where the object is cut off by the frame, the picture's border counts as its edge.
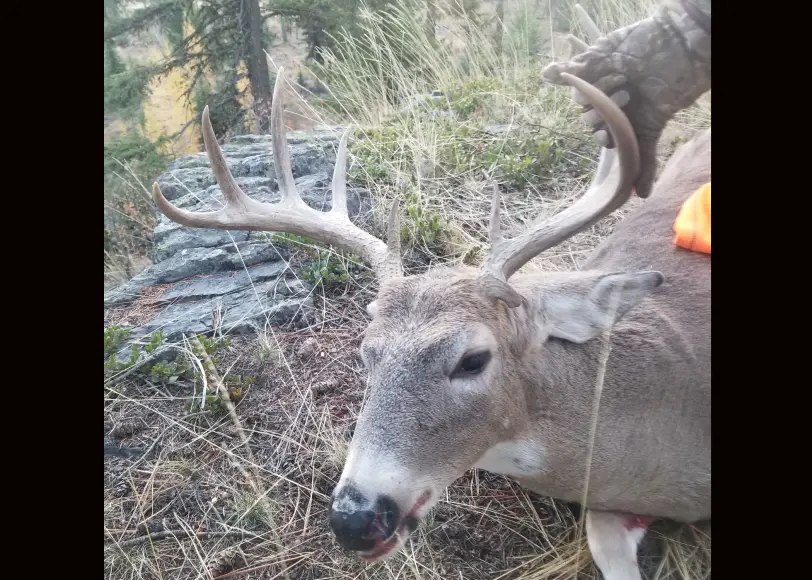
(593, 33)
(610, 189)
(291, 215)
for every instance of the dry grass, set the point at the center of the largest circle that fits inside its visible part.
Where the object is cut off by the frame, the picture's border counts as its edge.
(484, 89)
(298, 415)
(129, 219)
(486, 527)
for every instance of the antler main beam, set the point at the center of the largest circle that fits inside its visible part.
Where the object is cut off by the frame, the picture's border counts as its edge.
(291, 214)
(610, 189)
(611, 186)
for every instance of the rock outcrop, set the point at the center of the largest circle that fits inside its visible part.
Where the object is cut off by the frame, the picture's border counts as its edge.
(238, 280)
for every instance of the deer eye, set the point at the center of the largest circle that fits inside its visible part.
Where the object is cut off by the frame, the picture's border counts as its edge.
(471, 365)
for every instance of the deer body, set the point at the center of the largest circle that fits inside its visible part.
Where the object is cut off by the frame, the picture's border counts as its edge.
(651, 453)
(470, 367)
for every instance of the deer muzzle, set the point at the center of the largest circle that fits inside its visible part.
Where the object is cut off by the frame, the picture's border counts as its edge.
(373, 527)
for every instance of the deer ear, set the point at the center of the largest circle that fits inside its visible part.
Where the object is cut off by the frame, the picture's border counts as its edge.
(579, 307)
(372, 309)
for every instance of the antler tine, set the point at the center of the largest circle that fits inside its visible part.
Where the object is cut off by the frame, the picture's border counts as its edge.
(611, 188)
(340, 177)
(593, 33)
(392, 266)
(235, 198)
(495, 227)
(577, 45)
(291, 214)
(231, 191)
(279, 143)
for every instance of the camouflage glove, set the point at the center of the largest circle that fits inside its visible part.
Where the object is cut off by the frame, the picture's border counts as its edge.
(652, 69)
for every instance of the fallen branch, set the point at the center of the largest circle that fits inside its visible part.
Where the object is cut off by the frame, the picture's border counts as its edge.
(211, 372)
(222, 391)
(251, 476)
(128, 452)
(174, 534)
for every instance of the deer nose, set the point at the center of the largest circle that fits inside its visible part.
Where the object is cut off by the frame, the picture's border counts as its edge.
(358, 524)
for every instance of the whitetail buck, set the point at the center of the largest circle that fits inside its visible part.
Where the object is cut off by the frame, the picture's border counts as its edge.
(469, 370)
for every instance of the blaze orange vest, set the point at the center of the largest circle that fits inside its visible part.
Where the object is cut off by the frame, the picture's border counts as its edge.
(692, 227)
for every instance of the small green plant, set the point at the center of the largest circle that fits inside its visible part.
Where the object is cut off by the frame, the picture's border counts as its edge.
(374, 149)
(468, 98)
(267, 351)
(289, 241)
(155, 340)
(114, 337)
(214, 403)
(180, 368)
(328, 269)
(235, 384)
(162, 371)
(214, 345)
(427, 227)
(170, 372)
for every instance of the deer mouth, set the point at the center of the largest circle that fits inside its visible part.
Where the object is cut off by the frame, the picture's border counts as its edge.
(385, 548)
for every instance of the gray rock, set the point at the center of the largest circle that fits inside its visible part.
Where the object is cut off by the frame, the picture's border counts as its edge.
(207, 260)
(241, 276)
(241, 312)
(169, 241)
(222, 284)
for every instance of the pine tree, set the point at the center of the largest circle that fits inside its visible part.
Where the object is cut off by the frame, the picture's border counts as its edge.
(212, 36)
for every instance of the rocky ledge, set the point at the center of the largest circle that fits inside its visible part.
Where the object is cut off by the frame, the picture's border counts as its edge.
(202, 279)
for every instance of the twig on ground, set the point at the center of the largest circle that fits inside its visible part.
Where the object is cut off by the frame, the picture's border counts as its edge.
(235, 573)
(211, 371)
(128, 452)
(148, 451)
(251, 476)
(175, 533)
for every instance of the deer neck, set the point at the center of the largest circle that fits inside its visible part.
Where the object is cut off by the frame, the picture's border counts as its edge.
(546, 440)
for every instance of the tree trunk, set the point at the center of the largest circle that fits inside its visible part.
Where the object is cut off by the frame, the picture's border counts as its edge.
(500, 25)
(258, 75)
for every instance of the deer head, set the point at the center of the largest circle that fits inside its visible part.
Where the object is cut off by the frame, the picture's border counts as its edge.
(447, 350)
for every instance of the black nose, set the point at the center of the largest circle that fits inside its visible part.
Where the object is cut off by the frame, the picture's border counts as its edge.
(358, 523)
